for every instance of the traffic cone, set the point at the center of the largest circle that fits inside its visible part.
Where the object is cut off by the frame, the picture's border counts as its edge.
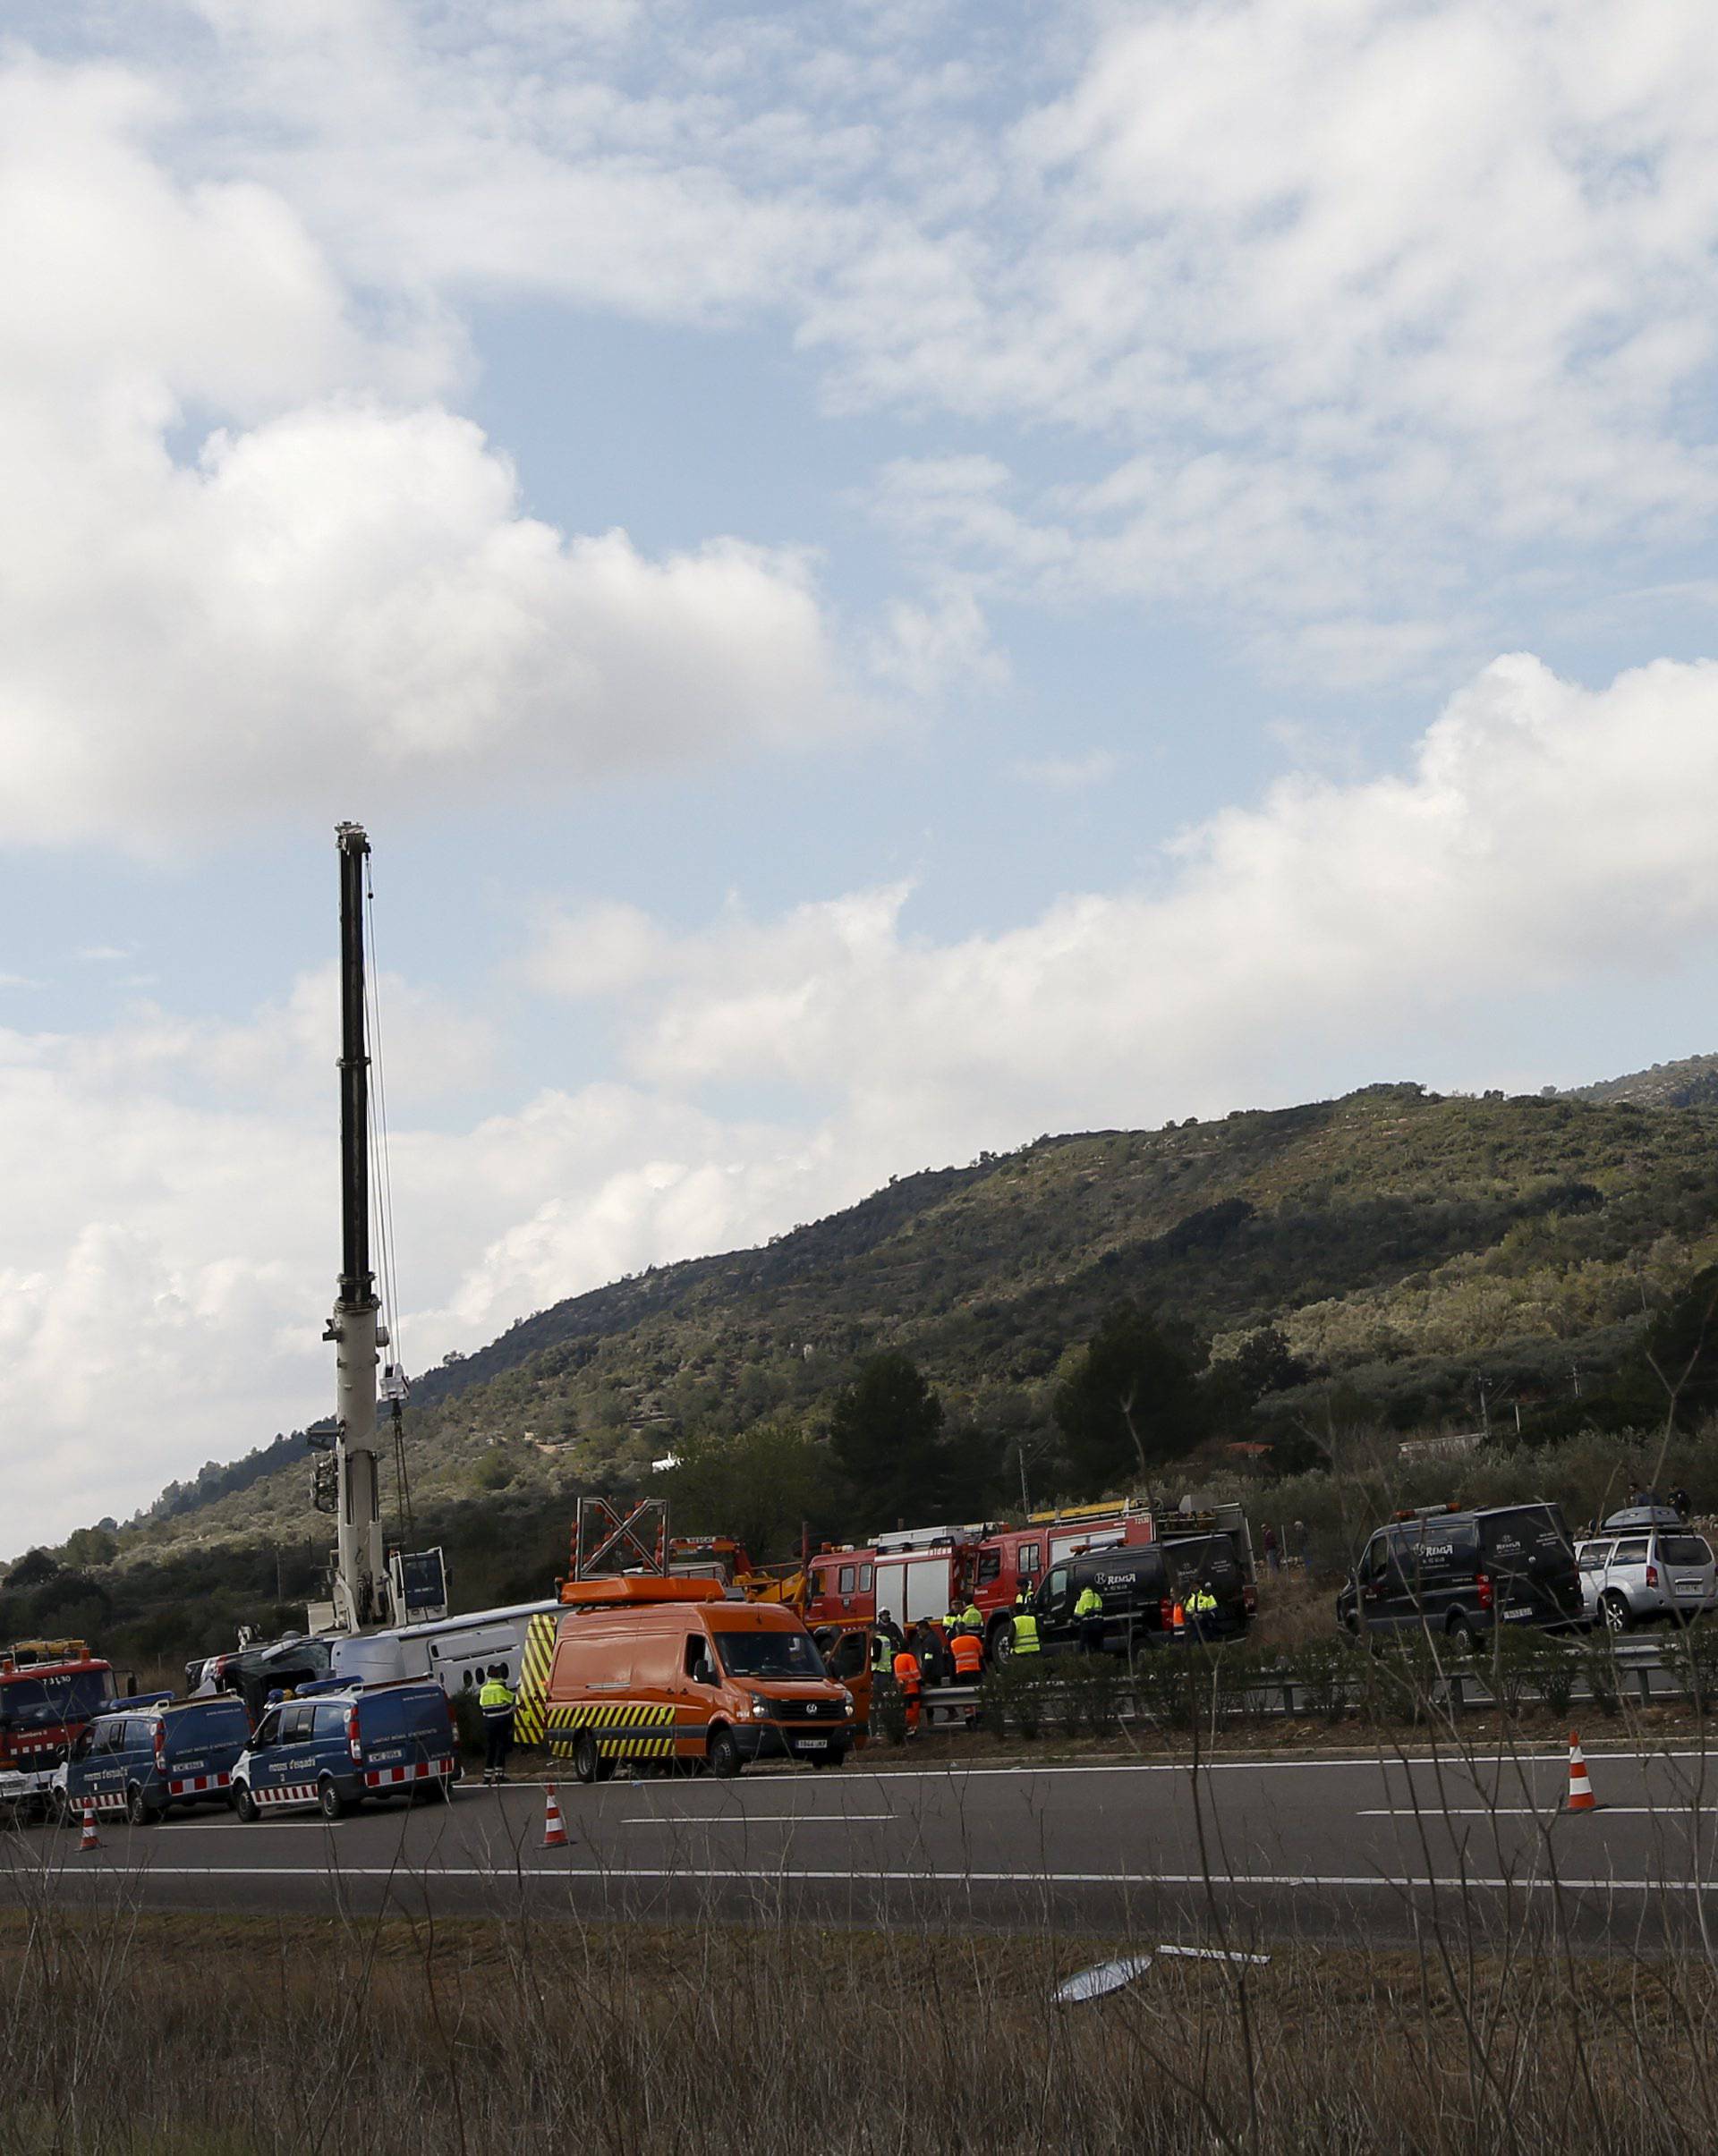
(554, 1825)
(1580, 1787)
(89, 1839)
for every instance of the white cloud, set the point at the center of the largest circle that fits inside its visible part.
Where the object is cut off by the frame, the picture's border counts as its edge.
(1347, 316)
(1543, 836)
(337, 597)
(1069, 773)
(601, 950)
(171, 1258)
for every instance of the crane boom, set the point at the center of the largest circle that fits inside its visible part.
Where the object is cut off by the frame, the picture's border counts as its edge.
(360, 1585)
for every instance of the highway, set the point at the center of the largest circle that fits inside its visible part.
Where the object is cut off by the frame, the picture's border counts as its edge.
(1350, 1848)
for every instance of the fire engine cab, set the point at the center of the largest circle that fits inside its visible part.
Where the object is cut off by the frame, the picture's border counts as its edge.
(50, 1690)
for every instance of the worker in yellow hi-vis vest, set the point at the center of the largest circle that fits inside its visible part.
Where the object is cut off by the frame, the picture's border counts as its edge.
(1088, 1615)
(496, 1701)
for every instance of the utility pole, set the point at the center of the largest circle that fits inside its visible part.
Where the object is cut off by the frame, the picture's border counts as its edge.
(361, 1596)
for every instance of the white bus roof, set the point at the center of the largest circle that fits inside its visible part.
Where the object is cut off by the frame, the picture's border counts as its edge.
(471, 1621)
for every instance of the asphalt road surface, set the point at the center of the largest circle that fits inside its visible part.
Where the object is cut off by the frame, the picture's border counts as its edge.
(1328, 1850)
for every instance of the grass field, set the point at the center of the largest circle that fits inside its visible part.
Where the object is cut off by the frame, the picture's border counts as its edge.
(180, 2036)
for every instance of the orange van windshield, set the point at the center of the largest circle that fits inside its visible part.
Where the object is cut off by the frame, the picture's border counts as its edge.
(769, 1654)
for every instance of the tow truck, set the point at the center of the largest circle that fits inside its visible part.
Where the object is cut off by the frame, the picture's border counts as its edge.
(50, 1690)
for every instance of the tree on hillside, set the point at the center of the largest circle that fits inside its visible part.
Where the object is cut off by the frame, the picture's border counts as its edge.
(1131, 1403)
(1265, 1363)
(887, 1436)
(35, 1568)
(1681, 1351)
(86, 1546)
(758, 1486)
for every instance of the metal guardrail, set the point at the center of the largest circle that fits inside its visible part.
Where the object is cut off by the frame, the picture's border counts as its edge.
(1644, 1675)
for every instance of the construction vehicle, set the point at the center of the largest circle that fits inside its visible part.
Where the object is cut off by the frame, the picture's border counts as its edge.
(718, 1557)
(50, 1691)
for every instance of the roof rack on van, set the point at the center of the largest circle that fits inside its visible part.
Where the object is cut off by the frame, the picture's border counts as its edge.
(639, 1587)
(1426, 1512)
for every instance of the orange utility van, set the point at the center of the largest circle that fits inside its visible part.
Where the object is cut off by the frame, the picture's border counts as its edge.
(646, 1668)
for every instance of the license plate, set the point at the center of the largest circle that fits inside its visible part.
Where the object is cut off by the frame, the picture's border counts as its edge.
(1690, 1587)
(1517, 1612)
(811, 1744)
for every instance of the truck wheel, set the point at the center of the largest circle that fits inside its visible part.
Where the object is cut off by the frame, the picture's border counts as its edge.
(1618, 1615)
(333, 1804)
(724, 1760)
(1463, 1638)
(244, 1804)
(588, 1762)
(139, 1811)
(999, 1646)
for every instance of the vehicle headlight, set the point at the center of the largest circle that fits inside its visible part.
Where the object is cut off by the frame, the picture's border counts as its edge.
(761, 1708)
(853, 1704)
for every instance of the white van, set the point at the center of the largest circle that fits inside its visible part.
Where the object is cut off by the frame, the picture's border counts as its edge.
(449, 1649)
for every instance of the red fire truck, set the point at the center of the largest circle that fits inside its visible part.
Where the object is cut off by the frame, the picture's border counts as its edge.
(49, 1691)
(926, 1572)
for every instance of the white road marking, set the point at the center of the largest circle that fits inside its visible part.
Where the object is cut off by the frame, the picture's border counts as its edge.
(1445, 1762)
(754, 1819)
(681, 1875)
(1666, 1811)
(1463, 1812)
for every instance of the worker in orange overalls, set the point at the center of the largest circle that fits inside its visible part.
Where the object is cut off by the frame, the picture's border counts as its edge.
(907, 1676)
(968, 1650)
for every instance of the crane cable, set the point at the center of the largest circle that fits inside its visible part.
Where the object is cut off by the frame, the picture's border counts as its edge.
(381, 1187)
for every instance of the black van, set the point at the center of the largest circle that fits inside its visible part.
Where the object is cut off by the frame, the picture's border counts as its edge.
(1141, 1584)
(1462, 1573)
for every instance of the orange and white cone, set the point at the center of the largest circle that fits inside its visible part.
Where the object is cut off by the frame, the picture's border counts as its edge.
(89, 1839)
(1580, 1787)
(554, 1825)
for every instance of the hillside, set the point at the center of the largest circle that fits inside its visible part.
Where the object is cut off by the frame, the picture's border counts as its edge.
(1691, 1081)
(1405, 1245)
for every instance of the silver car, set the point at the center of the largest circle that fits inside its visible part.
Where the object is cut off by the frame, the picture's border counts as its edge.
(1639, 1573)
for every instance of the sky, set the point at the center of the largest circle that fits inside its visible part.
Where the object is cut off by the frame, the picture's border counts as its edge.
(886, 579)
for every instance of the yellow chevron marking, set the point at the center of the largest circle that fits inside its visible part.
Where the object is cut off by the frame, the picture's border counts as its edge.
(529, 1720)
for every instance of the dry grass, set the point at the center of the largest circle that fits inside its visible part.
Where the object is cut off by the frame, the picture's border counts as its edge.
(1294, 1606)
(185, 2036)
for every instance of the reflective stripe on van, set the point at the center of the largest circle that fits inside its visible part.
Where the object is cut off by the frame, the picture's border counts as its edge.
(423, 1771)
(639, 1729)
(199, 1784)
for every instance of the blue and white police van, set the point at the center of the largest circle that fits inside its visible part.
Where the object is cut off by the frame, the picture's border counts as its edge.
(341, 1746)
(142, 1757)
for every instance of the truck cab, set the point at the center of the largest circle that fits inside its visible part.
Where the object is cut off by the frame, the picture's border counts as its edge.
(50, 1691)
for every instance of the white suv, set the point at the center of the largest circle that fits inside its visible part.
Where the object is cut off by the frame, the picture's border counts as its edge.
(1646, 1565)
